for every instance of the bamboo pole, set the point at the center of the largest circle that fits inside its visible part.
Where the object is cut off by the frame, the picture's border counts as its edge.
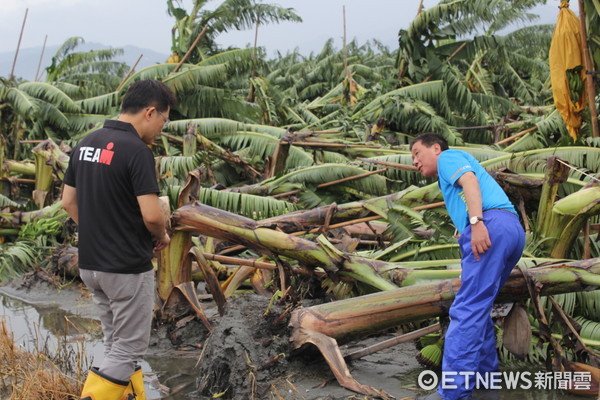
(345, 44)
(255, 45)
(37, 73)
(367, 219)
(192, 47)
(450, 57)
(589, 81)
(404, 167)
(18, 180)
(586, 241)
(31, 141)
(351, 178)
(322, 185)
(129, 73)
(420, 7)
(250, 97)
(336, 145)
(317, 132)
(393, 342)
(515, 136)
(341, 224)
(469, 128)
(172, 138)
(353, 210)
(12, 70)
(240, 261)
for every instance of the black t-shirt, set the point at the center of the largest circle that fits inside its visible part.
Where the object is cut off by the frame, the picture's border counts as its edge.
(109, 168)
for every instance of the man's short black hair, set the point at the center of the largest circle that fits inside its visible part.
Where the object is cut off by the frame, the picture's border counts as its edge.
(147, 93)
(429, 139)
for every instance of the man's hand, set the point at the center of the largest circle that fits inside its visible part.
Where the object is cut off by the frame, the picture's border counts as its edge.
(163, 242)
(480, 239)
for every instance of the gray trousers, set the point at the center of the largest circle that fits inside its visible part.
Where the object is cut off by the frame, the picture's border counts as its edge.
(125, 302)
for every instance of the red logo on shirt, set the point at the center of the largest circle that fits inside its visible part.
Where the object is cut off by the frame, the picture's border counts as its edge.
(92, 154)
(107, 154)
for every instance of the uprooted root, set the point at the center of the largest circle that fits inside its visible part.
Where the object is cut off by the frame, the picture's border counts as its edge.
(245, 351)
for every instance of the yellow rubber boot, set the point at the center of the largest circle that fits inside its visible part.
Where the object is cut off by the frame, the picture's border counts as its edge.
(135, 389)
(102, 387)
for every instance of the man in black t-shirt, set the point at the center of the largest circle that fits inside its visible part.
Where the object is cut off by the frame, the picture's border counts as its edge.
(110, 191)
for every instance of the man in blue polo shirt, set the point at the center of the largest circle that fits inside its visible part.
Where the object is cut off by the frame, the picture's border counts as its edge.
(491, 242)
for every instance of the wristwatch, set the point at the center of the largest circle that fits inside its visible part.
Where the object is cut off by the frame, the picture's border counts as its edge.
(474, 220)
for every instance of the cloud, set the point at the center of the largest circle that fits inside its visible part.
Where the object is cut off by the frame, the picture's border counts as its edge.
(13, 6)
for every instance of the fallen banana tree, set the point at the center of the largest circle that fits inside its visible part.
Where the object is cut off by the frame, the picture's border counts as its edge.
(50, 160)
(324, 324)
(210, 221)
(306, 219)
(343, 320)
(376, 274)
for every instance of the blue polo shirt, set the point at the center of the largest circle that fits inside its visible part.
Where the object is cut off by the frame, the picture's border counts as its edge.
(452, 164)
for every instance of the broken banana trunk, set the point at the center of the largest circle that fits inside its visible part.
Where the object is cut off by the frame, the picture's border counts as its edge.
(343, 320)
(221, 224)
(306, 219)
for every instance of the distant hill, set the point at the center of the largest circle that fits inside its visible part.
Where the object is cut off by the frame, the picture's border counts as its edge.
(29, 58)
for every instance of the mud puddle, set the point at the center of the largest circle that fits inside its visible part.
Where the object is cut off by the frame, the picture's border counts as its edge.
(36, 326)
(236, 363)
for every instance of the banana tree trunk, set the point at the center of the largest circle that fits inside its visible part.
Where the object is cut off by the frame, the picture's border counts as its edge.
(221, 224)
(381, 275)
(174, 265)
(350, 211)
(19, 167)
(17, 218)
(359, 316)
(226, 155)
(321, 325)
(556, 173)
(569, 233)
(520, 186)
(528, 188)
(49, 160)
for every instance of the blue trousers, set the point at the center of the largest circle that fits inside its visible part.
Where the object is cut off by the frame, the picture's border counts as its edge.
(470, 342)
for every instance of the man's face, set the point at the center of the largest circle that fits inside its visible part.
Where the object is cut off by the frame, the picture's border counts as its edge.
(425, 158)
(155, 122)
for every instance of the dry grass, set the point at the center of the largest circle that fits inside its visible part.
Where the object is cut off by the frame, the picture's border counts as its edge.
(26, 375)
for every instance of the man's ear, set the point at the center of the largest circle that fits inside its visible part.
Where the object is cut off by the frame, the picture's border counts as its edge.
(148, 113)
(437, 149)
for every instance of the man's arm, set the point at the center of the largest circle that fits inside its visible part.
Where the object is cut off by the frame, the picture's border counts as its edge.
(154, 220)
(69, 202)
(480, 238)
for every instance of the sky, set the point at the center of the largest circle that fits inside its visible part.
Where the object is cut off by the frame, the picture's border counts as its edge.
(146, 24)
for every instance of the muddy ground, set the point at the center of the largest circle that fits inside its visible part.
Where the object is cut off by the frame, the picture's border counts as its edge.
(248, 354)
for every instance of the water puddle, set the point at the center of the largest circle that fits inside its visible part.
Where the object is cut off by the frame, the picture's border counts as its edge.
(37, 327)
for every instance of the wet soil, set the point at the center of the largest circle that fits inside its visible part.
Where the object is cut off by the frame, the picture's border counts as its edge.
(247, 355)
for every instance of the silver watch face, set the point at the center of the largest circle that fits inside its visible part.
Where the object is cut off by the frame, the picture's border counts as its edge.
(474, 220)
